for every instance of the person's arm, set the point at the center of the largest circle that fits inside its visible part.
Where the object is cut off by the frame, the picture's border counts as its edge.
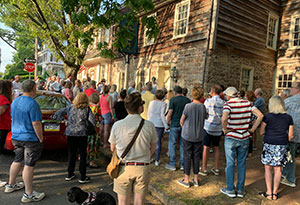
(182, 120)
(169, 116)
(153, 148)
(60, 114)
(149, 110)
(112, 147)
(109, 98)
(259, 116)
(91, 117)
(38, 129)
(291, 132)
(225, 121)
(262, 128)
(162, 115)
(3, 108)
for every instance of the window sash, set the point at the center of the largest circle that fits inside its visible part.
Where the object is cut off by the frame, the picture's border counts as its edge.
(181, 18)
(295, 32)
(272, 31)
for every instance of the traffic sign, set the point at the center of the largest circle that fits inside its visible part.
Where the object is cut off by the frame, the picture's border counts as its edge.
(27, 60)
(29, 67)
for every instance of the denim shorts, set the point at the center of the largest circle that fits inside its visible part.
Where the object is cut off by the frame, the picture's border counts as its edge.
(27, 152)
(107, 119)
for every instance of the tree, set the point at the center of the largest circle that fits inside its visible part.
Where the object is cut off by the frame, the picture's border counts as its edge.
(62, 23)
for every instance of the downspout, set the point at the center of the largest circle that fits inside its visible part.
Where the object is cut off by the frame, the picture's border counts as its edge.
(208, 40)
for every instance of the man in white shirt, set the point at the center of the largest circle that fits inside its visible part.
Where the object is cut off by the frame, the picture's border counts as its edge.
(16, 83)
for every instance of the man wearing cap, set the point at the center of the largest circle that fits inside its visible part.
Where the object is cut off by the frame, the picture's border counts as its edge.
(134, 173)
(235, 122)
(100, 85)
(91, 89)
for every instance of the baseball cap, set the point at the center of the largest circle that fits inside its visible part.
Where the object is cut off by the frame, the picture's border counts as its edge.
(231, 92)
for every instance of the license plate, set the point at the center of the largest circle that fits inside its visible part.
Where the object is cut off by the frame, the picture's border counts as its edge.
(52, 127)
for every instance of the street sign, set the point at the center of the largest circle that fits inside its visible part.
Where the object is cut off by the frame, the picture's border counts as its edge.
(27, 60)
(29, 67)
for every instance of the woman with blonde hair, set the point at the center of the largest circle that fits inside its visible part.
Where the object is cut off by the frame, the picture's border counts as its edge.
(79, 116)
(277, 128)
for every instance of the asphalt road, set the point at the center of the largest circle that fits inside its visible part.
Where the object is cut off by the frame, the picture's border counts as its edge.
(49, 176)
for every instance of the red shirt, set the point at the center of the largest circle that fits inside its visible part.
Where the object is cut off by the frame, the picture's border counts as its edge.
(5, 118)
(90, 91)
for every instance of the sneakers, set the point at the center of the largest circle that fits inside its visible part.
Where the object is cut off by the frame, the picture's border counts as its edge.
(170, 167)
(157, 163)
(231, 194)
(84, 180)
(15, 187)
(203, 172)
(240, 194)
(35, 196)
(195, 183)
(70, 177)
(2, 184)
(286, 182)
(181, 168)
(211, 150)
(215, 171)
(182, 183)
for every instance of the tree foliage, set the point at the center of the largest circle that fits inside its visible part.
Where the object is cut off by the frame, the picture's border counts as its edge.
(62, 23)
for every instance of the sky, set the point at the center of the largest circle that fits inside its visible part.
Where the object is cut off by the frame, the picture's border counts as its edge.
(6, 52)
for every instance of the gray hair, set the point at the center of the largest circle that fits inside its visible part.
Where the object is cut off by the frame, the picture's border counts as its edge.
(259, 91)
(276, 105)
(286, 92)
(28, 85)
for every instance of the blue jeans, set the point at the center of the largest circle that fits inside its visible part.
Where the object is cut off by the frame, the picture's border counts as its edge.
(236, 149)
(160, 134)
(175, 133)
(289, 170)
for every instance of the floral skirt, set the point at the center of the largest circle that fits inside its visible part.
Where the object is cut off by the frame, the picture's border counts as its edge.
(274, 155)
(93, 148)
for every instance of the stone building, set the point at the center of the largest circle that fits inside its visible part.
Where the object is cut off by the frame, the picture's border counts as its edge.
(246, 44)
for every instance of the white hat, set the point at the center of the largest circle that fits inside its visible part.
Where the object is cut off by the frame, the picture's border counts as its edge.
(231, 92)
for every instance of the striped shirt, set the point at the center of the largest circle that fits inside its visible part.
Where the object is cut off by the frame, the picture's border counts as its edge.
(214, 108)
(239, 118)
(292, 105)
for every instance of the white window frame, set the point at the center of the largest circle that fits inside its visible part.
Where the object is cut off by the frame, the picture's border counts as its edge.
(250, 79)
(188, 2)
(276, 18)
(147, 41)
(278, 89)
(106, 33)
(292, 31)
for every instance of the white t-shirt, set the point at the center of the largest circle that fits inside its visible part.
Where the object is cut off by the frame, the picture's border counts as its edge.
(156, 113)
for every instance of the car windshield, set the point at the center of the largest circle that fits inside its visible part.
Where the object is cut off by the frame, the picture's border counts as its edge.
(51, 102)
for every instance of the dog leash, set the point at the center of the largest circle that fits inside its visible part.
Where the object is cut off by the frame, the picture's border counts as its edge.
(91, 198)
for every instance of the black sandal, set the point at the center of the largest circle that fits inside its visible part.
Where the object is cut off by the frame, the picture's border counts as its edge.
(264, 194)
(275, 195)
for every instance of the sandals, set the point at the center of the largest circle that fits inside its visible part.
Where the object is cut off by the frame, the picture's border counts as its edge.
(273, 196)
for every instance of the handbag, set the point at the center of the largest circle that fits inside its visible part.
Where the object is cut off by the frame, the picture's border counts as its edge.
(91, 129)
(113, 167)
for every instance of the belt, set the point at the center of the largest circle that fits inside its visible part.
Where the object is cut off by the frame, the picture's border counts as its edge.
(135, 163)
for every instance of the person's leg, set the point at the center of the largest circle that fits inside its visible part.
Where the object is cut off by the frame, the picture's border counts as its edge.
(180, 149)
(15, 168)
(289, 170)
(139, 199)
(205, 156)
(28, 178)
(277, 178)
(230, 153)
(242, 152)
(172, 146)
(268, 179)
(196, 158)
(216, 144)
(187, 149)
(72, 152)
(82, 144)
(106, 134)
(160, 132)
(123, 199)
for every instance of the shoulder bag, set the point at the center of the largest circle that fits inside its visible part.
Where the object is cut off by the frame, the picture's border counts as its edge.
(113, 167)
(91, 129)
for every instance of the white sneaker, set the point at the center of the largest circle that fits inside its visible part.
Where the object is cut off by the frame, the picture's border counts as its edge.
(157, 163)
(15, 187)
(35, 196)
(2, 184)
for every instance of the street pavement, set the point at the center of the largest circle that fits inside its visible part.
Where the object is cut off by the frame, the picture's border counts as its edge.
(49, 177)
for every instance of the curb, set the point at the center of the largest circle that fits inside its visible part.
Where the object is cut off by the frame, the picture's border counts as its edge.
(162, 196)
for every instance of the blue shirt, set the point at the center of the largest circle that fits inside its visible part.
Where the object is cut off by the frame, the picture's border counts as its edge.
(292, 105)
(259, 103)
(24, 111)
(214, 108)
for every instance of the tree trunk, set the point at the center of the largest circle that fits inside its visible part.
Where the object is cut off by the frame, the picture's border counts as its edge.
(71, 70)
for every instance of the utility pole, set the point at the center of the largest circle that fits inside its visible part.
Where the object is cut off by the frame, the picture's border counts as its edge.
(127, 61)
(36, 56)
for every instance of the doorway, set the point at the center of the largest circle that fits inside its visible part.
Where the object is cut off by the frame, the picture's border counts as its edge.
(163, 79)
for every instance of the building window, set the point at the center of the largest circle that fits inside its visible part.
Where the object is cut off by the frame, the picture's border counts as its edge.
(181, 19)
(295, 32)
(246, 80)
(272, 31)
(148, 41)
(103, 35)
(284, 81)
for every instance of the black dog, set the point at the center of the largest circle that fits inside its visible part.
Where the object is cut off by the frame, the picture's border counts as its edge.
(75, 194)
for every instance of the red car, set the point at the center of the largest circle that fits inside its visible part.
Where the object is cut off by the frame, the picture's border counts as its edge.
(53, 130)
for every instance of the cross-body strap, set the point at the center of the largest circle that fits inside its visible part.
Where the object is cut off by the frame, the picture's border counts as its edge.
(133, 139)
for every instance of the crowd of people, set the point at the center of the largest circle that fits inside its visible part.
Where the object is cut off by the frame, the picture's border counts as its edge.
(100, 117)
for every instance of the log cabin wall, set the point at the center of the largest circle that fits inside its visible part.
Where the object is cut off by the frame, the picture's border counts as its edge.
(288, 63)
(186, 52)
(241, 56)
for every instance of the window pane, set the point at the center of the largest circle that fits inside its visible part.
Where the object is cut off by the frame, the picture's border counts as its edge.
(284, 84)
(289, 84)
(279, 84)
(296, 28)
(285, 77)
(280, 77)
(297, 21)
(290, 77)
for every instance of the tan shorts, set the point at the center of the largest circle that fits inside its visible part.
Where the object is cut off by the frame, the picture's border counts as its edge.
(132, 178)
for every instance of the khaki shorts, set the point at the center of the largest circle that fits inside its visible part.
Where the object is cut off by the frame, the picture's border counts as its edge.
(132, 178)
